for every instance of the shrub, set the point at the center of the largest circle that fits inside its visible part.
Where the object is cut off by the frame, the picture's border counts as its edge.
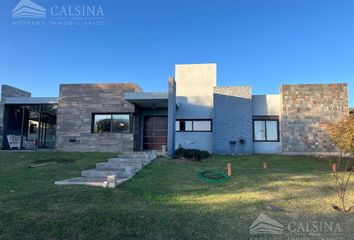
(342, 134)
(194, 154)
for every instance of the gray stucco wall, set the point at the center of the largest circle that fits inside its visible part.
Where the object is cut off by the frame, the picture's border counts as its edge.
(77, 102)
(8, 91)
(305, 110)
(267, 105)
(232, 120)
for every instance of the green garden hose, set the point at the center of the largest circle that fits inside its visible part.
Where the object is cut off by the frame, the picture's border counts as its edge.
(213, 177)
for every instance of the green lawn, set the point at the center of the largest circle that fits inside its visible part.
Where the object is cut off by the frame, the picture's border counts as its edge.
(165, 200)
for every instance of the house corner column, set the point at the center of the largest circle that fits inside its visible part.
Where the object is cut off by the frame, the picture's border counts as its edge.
(171, 116)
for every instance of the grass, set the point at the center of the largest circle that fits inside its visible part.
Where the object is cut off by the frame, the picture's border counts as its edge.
(164, 201)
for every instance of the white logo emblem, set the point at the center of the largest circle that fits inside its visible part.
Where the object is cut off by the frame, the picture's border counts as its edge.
(266, 225)
(28, 9)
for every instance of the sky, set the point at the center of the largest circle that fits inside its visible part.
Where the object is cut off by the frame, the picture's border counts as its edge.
(262, 43)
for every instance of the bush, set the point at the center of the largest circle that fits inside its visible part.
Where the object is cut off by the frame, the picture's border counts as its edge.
(342, 134)
(194, 154)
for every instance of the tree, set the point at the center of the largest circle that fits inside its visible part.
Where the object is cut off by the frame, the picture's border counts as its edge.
(342, 135)
(351, 111)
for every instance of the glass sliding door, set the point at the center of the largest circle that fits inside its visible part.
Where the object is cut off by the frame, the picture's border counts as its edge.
(30, 126)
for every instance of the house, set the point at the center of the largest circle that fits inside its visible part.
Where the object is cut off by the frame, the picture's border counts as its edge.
(193, 113)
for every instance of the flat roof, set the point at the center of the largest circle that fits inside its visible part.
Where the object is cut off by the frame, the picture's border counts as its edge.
(148, 99)
(31, 100)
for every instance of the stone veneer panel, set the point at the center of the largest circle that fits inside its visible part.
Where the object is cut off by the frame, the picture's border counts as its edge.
(305, 108)
(77, 103)
(8, 91)
(232, 120)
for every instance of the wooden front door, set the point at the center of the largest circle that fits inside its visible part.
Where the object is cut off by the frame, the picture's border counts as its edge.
(155, 132)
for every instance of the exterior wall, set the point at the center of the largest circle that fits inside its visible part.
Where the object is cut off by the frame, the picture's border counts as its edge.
(194, 90)
(77, 102)
(194, 93)
(267, 105)
(8, 91)
(305, 108)
(198, 140)
(232, 120)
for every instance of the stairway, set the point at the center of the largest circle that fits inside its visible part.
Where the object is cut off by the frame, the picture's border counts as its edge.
(114, 172)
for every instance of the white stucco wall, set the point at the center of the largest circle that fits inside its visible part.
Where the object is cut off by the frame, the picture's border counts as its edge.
(194, 95)
(194, 90)
(267, 105)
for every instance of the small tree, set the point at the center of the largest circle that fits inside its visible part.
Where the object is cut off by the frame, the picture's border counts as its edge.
(342, 135)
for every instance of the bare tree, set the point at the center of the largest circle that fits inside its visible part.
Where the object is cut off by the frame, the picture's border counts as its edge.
(342, 180)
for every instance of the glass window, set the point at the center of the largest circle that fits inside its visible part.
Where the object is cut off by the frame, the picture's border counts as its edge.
(102, 123)
(266, 130)
(120, 123)
(259, 131)
(177, 126)
(202, 126)
(189, 126)
(111, 123)
(193, 125)
(272, 130)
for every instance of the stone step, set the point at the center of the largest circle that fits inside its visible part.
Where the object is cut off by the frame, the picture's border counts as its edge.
(96, 182)
(128, 160)
(118, 166)
(139, 155)
(94, 173)
(121, 168)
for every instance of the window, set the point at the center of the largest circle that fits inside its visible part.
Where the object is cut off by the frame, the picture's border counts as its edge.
(266, 129)
(193, 125)
(110, 123)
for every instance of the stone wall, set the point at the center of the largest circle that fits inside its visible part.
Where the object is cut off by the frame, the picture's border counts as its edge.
(8, 91)
(77, 103)
(232, 120)
(305, 108)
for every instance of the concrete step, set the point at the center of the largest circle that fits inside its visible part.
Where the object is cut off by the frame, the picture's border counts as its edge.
(148, 155)
(118, 166)
(96, 182)
(94, 173)
(128, 160)
(113, 172)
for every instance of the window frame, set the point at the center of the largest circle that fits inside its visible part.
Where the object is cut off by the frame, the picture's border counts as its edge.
(265, 119)
(111, 113)
(197, 120)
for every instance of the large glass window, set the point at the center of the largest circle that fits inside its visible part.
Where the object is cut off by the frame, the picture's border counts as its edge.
(193, 125)
(111, 123)
(266, 130)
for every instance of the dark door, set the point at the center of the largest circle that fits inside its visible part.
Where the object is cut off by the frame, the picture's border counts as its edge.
(155, 132)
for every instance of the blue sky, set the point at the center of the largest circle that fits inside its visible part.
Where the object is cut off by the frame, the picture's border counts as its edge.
(262, 43)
